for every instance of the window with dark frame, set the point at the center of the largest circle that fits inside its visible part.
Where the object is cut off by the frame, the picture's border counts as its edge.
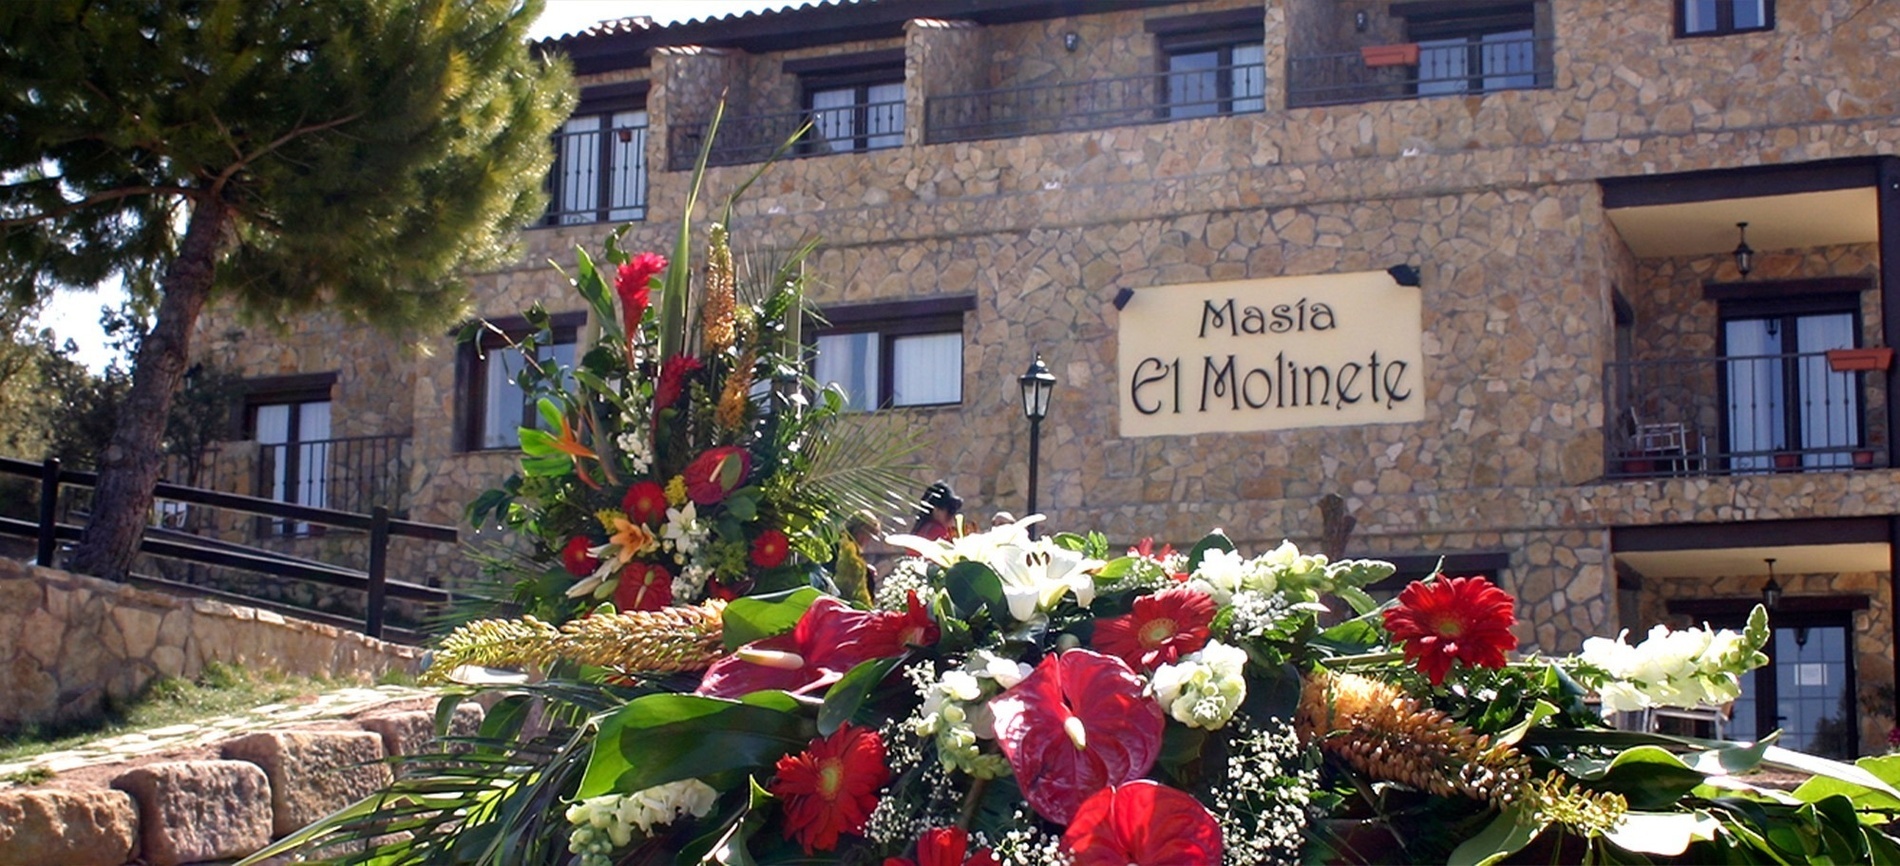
(1723, 17)
(1480, 48)
(855, 102)
(493, 403)
(893, 355)
(289, 419)
(600, 158)
(1780, 395)
(1212, 65)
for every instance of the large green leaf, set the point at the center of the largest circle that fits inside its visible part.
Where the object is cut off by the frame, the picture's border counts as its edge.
(1819, 766)
(762, 616)
(1665, 833)
(594, 289)
(1650, 777)
(846, 695)
(972, 586)
(1507, 834)
(1886, 768)
(663, 738)
(1212, 541)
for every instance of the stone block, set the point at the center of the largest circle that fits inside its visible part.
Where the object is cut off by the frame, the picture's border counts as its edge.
(69, 828)
(413, 732)
(312, 773)
(199, 810)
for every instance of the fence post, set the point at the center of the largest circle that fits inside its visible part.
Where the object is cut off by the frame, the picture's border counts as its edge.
(49, 511)
(378, 563)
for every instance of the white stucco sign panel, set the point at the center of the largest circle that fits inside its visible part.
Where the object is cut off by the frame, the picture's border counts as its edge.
(1271, 354)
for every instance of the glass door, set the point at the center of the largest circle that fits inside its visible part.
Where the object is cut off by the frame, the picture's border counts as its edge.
(1785, 407)
(1806, 690)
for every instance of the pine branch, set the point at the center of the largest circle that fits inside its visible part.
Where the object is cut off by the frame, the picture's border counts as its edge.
(123, 192)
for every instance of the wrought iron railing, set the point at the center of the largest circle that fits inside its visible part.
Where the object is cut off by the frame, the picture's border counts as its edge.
(1741, 415)
(599, 175)
(755, 137)
(1095, 104)
(354, 473)
(1476, 66)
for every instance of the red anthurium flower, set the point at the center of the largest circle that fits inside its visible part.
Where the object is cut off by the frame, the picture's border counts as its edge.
(770, 549)
(634, 284)
(715, 473)
(828, 641)
(945, 846)
(643, 586)
(898, 632)
(1463, 619)
(645, 502)
(673, 373)
(574, 557)
(831, 787)
(1143, 823)
(1077, 724)
(1162, 628)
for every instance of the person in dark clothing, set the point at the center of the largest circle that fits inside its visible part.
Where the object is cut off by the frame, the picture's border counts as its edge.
(937, 514)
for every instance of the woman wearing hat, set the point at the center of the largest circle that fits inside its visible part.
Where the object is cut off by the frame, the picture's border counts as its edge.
(937, 515)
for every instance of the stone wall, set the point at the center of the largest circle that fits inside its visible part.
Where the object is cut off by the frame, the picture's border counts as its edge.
(69, 644)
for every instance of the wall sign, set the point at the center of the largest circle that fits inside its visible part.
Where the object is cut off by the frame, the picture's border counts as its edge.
(1271, 354)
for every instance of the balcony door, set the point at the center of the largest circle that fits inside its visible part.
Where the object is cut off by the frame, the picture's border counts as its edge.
(1781, 397)
(294, 455)
(1806, 690)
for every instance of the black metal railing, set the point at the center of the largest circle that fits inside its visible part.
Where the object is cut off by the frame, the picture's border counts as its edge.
(1472, 67)
(749, 138)
(1095, 104)
(599, 175)
(1741, 415)
(353, 473)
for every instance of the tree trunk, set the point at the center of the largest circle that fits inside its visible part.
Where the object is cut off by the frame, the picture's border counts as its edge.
(129, 467)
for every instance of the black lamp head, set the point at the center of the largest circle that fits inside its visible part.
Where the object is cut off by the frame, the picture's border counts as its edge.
(1404, 275)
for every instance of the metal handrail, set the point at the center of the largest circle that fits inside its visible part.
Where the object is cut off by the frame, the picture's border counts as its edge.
(756, 137)
(1097, 103)
(586, 185)
(1477, 67)
(349, 473)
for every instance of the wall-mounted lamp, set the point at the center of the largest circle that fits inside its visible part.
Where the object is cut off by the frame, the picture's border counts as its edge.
(1360, 21)
(1404, 275)
(1744, 254)
(1071, 40)
(1122, 296)
(1771, 594)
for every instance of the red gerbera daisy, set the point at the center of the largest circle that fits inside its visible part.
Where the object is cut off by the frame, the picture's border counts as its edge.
(831, 787)
(898, 632)
(645, 502)
(770, 549)
(643, 586)
(1143, 824)
(574, 557)
(1163, 627)
(945, 846)
(1463, 619)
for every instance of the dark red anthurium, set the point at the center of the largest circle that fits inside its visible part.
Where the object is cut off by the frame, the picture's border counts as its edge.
(643, 586)
(1143, 823)
(715, 473)
(829, 640)
(945, 846)
(1077, 724)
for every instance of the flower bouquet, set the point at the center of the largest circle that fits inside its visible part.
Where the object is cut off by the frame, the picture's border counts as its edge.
(1025, 701)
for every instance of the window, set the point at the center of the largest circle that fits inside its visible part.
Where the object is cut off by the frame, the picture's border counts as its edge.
(1213, 64)
(1722, 17)
(289, 419)
(850, 117)
(600, 164)
(1477, 50)
(1785, 407)
(496, 406)
(897, 354)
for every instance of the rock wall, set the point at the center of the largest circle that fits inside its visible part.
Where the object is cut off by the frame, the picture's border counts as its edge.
(71, 643)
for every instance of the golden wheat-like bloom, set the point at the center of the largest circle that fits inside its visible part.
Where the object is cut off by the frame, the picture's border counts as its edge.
(716, 317)
(499, 643)
(664, 641)
(1379, 731)
(1555, 799)
(737, 396)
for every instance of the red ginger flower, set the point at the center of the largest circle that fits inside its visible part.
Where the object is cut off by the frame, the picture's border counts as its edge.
(673, 373)
(1143, 823)
(634, 284)
(574, 557)
(831, 787)
(945, 846)
(1079, 722)
(645, 503)
(716, 473)
(829, 640)
(770, 549)
(1463, 619)
(643, 586)
(1163, 627)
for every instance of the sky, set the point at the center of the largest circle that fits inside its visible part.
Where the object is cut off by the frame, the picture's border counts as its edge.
(74, 315)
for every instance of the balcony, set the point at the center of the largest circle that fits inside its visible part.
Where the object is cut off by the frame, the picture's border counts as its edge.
(1484, 64)
(1741, 415)
(599, 175)
(754, 138)
(355, 473)
(1096, 104)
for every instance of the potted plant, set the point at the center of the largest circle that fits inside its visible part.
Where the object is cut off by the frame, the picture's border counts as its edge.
(1864, 457)
(1403, 54)
(1858, 360)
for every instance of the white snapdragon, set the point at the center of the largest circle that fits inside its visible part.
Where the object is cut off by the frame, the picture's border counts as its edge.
(604, 823)
(1688, 668)
(955, 711)
(691, 579)
(1222, 573)
(1203, 690)
(636, 444)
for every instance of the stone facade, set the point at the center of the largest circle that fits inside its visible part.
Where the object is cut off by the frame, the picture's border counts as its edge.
(1496, 198)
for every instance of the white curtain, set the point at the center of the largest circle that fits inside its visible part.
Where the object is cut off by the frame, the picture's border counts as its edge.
(1192, 91)
(927, 369)
(849, 361)
(273, 429)
(885, 112)
(836, 118)
(501, 399)
(1830, 408)
(313, 458)
(1249, 78)
(580, 167)
(629, 180)
(1756, 397)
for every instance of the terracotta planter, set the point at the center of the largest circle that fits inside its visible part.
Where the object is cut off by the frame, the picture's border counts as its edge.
(1390, 55)
(1864, 457)
(1786, 462)
(1639, 467)
(1857, 360)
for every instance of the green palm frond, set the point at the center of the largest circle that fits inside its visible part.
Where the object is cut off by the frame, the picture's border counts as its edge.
(861, 467)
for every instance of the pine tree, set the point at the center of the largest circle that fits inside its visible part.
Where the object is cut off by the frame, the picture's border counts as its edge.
(282, 155)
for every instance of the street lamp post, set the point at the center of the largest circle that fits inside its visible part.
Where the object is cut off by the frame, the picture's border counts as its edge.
(1037, 384)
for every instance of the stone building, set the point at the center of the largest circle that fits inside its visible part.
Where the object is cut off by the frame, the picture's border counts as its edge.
(1189, 209)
